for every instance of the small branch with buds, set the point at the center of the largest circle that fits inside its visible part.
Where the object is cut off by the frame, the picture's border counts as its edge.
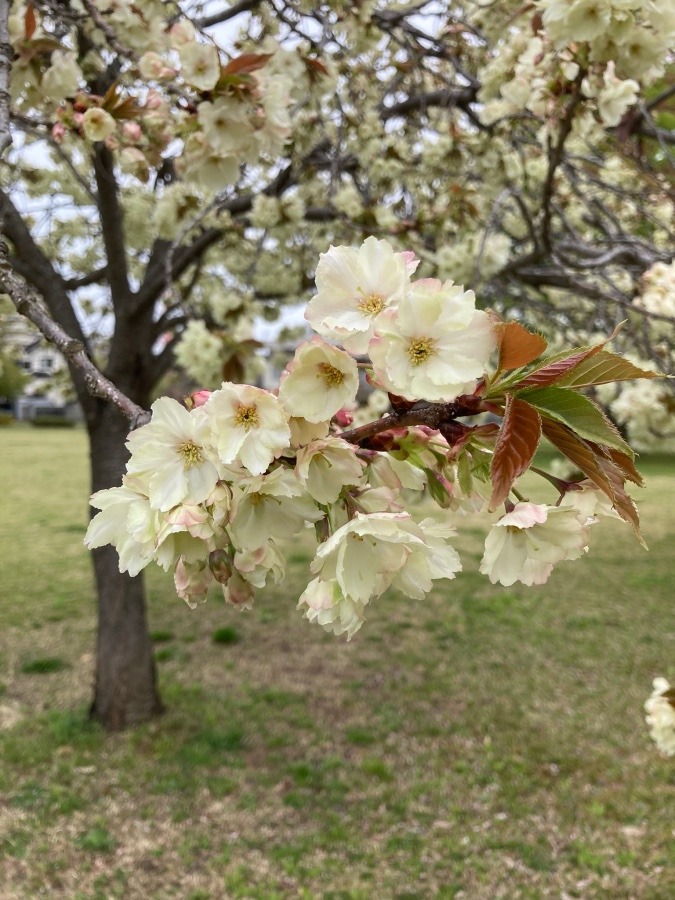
(432, 415)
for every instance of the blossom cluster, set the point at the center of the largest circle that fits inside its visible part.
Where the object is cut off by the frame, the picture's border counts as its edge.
(212, 488)
(233, 111)
(611, 47)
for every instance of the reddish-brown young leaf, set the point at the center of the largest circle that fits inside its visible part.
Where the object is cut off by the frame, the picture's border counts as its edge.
(621, 501)
(29, 21)
(247, 62)
(517, 443)
(315, 66)
(517, 346)
(603, 368)
(553, 372)
(627, 466)
(597, 464)
(578, 452)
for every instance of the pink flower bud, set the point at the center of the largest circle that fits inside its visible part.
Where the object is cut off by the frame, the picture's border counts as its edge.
(78, 118)
(199, 398)
(154, 100)
(132, 131)
(58, 132)
(343, 417)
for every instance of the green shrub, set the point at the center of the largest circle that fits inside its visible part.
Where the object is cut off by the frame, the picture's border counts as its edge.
(6, 419)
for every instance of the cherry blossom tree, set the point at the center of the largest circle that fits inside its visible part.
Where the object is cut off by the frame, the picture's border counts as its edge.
(173, 171)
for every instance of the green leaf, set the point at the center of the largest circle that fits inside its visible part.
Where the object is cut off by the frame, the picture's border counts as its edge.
(602, 368)
(464, 476)
(517, 443)
(578, 413)
(439, 487)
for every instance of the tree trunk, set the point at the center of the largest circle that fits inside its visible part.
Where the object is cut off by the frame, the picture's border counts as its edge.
(125, 690)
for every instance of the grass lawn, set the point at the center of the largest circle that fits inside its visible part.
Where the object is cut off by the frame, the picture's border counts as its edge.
(486, 743)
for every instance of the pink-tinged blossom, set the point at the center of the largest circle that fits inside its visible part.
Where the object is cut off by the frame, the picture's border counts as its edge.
(319, 381)
(199, 398)
(327, 606)
(176, 454)
(354, 287)
(527, 542)
(239, 592)
(192, 581)
(256, 566)
(435, 345)
(249, 425)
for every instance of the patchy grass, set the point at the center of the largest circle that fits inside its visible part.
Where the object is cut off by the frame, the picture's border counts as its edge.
(486, 742)
(226, 635)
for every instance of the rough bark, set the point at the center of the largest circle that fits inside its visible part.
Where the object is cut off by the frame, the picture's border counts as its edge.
(125, 690)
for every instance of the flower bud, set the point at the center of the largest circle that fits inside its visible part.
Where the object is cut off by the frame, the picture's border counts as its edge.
(344, 417)
(220, 566)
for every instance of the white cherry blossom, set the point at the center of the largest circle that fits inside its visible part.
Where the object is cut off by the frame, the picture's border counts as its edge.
(527, 542)
(435, 345)
(249, 425)
(176, 453)
(355, 286)
(327, 466)
(319, 381)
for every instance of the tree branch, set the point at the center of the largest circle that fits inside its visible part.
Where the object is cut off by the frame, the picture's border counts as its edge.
(112, 227)
(227, 14)
(444, 98)
(74, 351)
(6, 54)
(432, 415)
(95, 277)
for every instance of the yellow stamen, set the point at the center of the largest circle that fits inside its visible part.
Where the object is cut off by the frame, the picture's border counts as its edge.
(371, 304)
(247, 417)
(332, 376)
(191, 454)
(420, 349)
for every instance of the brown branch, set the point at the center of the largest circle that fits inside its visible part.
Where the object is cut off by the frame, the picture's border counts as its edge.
(112, 227)
(95, 277)
(229, 13)
(444, 98)
(6, 54)
(432, 415)
(98, 385)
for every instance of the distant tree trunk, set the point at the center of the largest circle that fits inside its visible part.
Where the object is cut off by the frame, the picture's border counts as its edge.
(125, 690)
